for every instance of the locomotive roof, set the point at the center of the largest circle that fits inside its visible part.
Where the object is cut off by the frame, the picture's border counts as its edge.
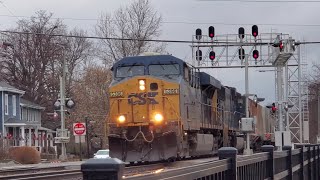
(206, 79)
(147, 60)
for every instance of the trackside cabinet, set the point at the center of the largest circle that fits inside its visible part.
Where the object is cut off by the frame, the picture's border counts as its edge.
(102, 169)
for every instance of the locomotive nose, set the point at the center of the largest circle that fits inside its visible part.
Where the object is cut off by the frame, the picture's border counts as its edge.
(145, 100)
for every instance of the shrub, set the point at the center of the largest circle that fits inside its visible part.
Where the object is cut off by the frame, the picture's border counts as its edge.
(3, 154)
(25, 155)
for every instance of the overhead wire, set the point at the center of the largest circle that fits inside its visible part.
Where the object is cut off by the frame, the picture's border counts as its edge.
(265, 1)
(9, 10)
(134, 39)
(179, 22)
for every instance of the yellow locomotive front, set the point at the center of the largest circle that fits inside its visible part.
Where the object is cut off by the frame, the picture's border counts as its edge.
(144, 105)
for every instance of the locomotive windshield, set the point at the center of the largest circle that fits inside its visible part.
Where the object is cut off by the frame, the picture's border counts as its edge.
(128, 71)
(164, 69)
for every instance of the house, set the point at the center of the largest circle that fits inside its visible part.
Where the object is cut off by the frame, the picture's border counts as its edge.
(20, 122)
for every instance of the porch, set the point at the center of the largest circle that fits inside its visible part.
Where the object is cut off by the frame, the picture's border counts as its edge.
(21, 134)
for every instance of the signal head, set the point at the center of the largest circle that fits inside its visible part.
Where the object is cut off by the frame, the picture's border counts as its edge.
(199, 55)
(211, 32)
(255, 54)
(241, 32)
(241, 54)
(255, 30)
(212, 55)
(198, 34)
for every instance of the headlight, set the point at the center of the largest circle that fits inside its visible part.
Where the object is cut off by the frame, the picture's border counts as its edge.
(121, 119)
(142, 85)
(142, 82)
(158, 118)
(142, 88)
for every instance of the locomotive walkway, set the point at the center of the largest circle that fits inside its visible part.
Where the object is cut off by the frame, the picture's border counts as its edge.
(301, 163)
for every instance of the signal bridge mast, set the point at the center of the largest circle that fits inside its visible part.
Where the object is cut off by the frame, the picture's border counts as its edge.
(272, 50)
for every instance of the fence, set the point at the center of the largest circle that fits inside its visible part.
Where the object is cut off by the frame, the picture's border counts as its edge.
(290, 164)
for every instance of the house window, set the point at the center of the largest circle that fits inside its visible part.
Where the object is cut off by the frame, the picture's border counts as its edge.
(6, 106)
(21, 114)
(14, 105)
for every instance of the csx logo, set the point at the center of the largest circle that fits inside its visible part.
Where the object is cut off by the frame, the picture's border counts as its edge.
(141, 98)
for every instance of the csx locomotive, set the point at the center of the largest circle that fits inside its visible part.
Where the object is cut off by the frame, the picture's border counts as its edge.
(161, 108)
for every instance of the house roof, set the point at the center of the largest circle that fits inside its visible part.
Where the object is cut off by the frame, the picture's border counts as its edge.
(12, 120)
(6, 87)
(26, 103)
(45, 129)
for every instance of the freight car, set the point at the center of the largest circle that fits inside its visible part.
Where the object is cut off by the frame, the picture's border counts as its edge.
(161, 108)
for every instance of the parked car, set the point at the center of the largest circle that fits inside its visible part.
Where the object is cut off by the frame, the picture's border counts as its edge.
(102, 154)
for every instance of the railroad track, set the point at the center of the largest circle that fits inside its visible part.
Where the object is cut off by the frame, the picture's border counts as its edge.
(60, 172)
(28, 169)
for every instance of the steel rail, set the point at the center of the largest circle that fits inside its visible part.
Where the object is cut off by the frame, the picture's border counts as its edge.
(44, 175)
(28, 169)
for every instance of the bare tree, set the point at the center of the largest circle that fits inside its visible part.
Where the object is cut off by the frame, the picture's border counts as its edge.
(135, 21)
(91, 94)
(33, 63)
(314, 79)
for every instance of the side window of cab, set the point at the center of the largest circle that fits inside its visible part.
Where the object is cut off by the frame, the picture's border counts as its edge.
(186, 73)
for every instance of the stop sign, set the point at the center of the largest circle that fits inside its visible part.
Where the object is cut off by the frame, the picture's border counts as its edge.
(79, 129)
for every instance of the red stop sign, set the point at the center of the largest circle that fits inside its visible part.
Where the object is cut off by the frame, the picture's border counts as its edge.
(79, 129)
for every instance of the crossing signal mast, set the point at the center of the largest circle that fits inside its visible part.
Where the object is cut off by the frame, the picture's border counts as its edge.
(266, 50)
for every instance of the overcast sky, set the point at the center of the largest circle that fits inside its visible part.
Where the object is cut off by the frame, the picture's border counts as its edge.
(227, 17)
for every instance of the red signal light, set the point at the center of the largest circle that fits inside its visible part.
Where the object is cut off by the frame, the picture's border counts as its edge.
(255, 54)
(281, 46)
(211, 31)
(274, 108)
(255, 30)
(212, 55)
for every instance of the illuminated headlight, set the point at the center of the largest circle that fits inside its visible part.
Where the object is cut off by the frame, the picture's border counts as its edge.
(142, 85)
(121, 119)
(158, 118)
(142, 82)
(142, 88)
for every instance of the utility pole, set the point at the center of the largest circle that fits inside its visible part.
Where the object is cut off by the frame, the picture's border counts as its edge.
(318, 94)
(87, 137)
(62, 108)
(247, 150)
